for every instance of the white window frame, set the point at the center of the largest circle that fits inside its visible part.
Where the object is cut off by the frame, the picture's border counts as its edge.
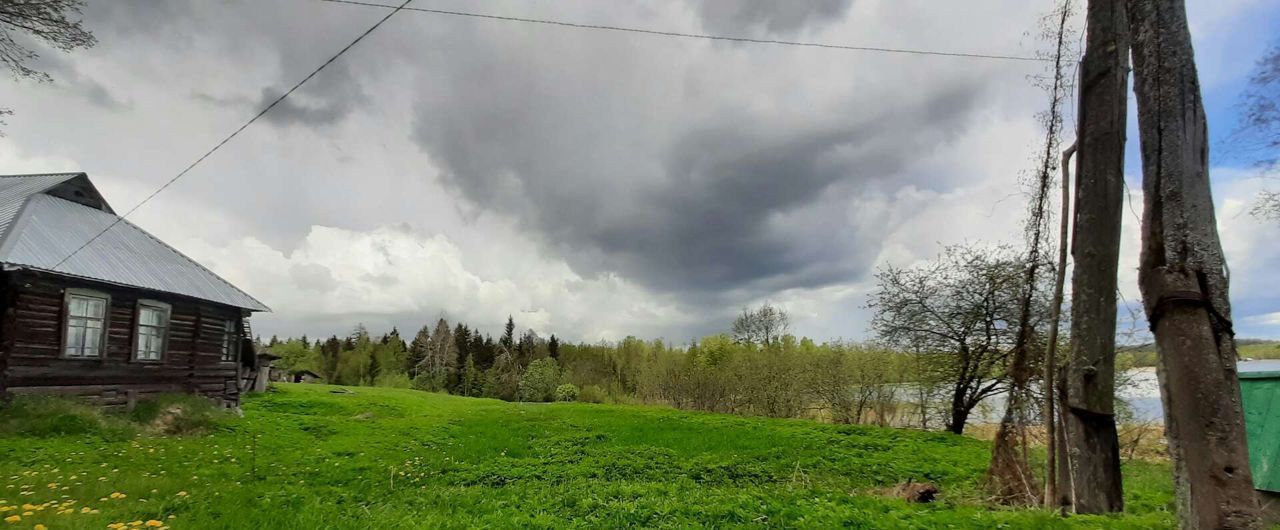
(230, 341)
(158, 332)
(89, 296)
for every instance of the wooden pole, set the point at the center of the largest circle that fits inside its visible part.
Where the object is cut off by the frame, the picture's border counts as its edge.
(1051, 352)
(1090, 416)
(1183, 277)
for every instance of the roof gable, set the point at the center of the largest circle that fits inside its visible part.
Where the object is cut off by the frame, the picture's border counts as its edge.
(50, 221)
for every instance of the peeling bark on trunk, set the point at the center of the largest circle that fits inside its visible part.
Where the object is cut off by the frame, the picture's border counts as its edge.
(1090, 415)
(1183, 278)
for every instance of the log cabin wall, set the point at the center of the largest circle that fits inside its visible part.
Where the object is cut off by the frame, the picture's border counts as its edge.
(31, 345)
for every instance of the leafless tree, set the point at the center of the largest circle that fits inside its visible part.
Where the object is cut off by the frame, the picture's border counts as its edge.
(440, 357)
(1257, 139)
(761, 326)
(1182, 274)
(960, 311)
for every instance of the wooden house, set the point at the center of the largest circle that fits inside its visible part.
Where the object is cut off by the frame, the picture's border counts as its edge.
(115, 318)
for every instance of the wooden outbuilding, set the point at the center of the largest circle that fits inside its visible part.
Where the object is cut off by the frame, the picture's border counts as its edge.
(116, 318)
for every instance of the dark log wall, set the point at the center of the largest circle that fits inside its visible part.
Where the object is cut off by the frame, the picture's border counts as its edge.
(31, 359)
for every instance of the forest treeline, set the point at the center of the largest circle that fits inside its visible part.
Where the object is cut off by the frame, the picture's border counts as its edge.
(735, 372)
(943, 336)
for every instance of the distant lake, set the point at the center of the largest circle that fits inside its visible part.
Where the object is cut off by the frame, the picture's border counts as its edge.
(1143, 393)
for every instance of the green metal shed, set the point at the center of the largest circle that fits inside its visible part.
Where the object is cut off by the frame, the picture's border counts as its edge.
(1260, 392)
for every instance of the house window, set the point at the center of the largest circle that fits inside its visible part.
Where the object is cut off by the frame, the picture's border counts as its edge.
(153, 327)
(229, 340)
(86, 323)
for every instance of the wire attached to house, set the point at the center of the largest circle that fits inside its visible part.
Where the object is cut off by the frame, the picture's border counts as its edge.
(224, 141)
(704, 36)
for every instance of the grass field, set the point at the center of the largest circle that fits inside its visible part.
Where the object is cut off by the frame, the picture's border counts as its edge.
(303, 457)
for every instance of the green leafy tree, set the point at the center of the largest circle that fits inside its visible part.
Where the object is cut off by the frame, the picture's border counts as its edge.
(539, 381)
(567, 392)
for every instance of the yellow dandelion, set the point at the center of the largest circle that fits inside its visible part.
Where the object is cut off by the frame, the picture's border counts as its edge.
(182, 494)
(85, 510)
(154, 523)
(135, 523)
(13, 518)
(39, 527)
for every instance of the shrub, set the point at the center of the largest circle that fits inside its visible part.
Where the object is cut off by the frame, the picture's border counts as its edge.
(540, 380)
(567, 392)
(177, 414)
(428, 383)
(394, 380)
(592, 394)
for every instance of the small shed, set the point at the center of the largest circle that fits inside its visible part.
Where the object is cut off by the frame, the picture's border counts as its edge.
(303, 376)
(1260, 394)
(92, 305)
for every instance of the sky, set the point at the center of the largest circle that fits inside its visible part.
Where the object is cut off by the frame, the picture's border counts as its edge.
(591, 184)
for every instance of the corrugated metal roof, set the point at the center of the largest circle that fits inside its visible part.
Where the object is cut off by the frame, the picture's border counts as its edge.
(48, 229)
(15, 189)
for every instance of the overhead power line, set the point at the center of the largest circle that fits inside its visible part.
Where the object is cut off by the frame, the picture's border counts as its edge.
(261, 113)
(703, 36)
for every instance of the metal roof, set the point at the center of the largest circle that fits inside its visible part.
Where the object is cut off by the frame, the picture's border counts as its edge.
(45, 229)
(15, 189)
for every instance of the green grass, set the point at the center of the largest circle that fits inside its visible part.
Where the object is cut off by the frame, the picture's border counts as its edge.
(305, 458)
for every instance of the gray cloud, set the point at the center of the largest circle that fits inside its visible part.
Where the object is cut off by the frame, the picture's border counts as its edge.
(696, 192)
(602, 183)
(67, 77)
(767, 17)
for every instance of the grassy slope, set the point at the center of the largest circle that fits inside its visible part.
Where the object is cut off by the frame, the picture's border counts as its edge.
(383, 458)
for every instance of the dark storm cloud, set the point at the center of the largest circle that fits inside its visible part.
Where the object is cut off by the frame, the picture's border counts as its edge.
(766, 17)
(328, 99)
(692, 201)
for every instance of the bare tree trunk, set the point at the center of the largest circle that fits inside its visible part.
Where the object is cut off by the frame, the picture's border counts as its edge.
(1090, 415)
(1183, 276)
(1051, 352)
(1009, 476)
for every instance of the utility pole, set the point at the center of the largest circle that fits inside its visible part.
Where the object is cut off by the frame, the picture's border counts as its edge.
(1183, 276)
(1089, 423)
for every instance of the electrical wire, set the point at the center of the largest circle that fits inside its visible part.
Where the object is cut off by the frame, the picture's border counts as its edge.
(704, 36)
